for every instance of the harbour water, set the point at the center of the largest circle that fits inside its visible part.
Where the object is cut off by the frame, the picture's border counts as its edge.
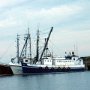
(59, 81)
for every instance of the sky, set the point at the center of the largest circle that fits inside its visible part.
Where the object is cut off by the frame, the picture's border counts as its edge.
(70, 19)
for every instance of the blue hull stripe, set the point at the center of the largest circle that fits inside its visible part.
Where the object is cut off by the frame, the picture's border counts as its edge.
(28, 69)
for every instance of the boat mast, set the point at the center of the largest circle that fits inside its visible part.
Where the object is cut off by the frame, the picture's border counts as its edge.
(29, 36)
(46, 43)
(37, 46)
(17, 48)
(46, 50)
(23, 52)
(24, 49)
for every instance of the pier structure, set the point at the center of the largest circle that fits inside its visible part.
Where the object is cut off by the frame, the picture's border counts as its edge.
(86, 61)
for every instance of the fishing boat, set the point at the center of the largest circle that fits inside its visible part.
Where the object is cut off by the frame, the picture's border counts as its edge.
(47, 63)
(15, 64)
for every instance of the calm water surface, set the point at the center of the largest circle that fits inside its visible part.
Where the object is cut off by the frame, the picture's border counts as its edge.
(63, 81)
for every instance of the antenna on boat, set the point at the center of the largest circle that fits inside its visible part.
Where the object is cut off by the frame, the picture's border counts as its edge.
(18, 48)
(76, 49)
(45, 46)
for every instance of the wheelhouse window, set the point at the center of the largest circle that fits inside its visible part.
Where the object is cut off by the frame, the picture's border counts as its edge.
(26, 60)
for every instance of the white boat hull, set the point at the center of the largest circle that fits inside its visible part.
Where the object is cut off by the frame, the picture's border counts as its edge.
(16, 68)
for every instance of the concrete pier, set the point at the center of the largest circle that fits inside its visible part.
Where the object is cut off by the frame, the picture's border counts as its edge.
(5, 70)
(86, 62)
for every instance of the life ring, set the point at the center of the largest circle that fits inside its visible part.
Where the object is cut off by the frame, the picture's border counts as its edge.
(46, 67)
(52, 68)
(68, 68)
(59, 68)
(64, 68)
(40, 67)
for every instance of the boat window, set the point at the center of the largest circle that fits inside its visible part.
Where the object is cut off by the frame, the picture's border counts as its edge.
(26, 60)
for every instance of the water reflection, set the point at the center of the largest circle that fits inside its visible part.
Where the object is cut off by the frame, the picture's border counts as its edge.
(64, 81)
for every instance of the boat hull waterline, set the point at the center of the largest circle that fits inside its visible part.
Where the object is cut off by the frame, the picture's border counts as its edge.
(33, 69)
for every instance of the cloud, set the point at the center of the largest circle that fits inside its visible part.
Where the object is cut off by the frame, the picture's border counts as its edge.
(7, 22)
(48, 16)
(55, 14)
(6, 3)
(69, 20)
(66, 39)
